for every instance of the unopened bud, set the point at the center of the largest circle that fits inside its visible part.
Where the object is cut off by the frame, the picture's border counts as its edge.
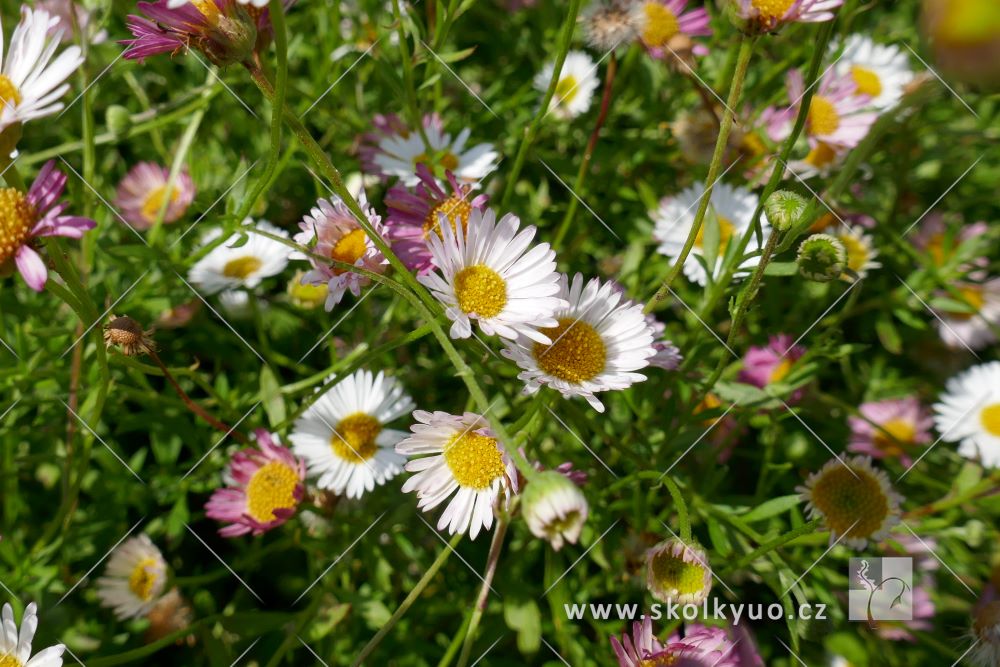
(822, 258)
(783, 209)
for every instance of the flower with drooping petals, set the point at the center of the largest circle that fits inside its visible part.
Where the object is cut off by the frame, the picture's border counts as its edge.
(464, 462)
(25, 217)
(263, 488)
(854, 500)
(331, 230)
(554, 508)
(142, 194)
(134, 578)
(891, 428)
(415, 215)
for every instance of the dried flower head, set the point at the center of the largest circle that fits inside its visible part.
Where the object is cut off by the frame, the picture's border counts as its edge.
(608, 24)
(128, 336)
(986, 634)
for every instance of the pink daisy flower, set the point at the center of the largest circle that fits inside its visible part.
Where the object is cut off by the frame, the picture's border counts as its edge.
(263, 488)
(413, 216)
(331, 230)
(69, 18)
(664, 26)
(24, 217)
(904, 419)
(224, 30)
(143, 192)
(766, 365)
(700, 647)
(933, 238)
(733, 646)
(769, 15)
(837, 118)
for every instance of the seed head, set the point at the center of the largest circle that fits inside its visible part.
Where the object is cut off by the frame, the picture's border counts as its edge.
(128, 336)
(609, 24)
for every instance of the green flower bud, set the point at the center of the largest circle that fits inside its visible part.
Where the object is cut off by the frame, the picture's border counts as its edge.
(554, 508)
(118, 119)
(822, 258)
(784, 209)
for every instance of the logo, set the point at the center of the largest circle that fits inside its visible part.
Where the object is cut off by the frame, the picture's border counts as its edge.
(881, 589)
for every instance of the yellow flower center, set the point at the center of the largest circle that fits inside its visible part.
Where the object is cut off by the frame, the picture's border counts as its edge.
(671, 572)
(972, 295)
(355, 438)
(867, 81)
(847, 495)
(455, 210)
(208, 9)
(822, 155)
(902, 431)
(7, 660)
(271, 488)
(990, 418)
(823, 117)
(155, 200)
(17, 217)
(935, 248)
(480, 290)
(660, 26)
(445, 160)
(857, 253)
(726, 231)
(143, 579)
(474, 460)
(241, 267)
(577, 352)
(780, 371)
(659, 661)
(306, 295)
(566, 89)
(349, 249)
(9, 94)
(772, 9)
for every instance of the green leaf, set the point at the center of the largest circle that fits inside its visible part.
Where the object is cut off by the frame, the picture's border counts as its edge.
(720, 541)
(772, 507)
(270, 396)
(781, 269)
(888, 334)
(523, 617)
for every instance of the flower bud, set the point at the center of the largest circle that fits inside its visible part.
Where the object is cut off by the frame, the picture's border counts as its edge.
(554, 508)
(118, 119)
(677, 572)
(821, 258)
(783, 209)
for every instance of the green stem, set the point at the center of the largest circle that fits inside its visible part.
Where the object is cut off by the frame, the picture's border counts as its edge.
(408, 601)
(411, 91)
(588, 154)
(746, 45)
(565, 38)
(484, 592)
(683, 518)
(804, 529)
(187, 139)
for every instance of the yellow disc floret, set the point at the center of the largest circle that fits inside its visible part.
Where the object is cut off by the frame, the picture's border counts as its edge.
(566, 89)
(155, 200)
(355, 437)
(271, 488)
(474, 460)
(17, 217)
(660, 24)
(898, 433)
(455, 210)
(142, 581)
(10, 96)
(823, 117)
(866, 81)
(990, 419)
(672, 573)
(577, 352)
(773, 10)
(349, 249)
(852, 501)
(480, 290)
(242, 267)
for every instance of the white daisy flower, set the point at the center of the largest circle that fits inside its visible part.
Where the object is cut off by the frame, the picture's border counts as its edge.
(226, 267)
(465, 461)
(576, 86)
(729, 216)
(134, 578)
(30, 81)
(599, 340)
(969, 413)
(853, 499)
(861, 252)
(489, 274)
(878, 70)
(15, 649)
(398, 155)
(343, 436)
(972, 327)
